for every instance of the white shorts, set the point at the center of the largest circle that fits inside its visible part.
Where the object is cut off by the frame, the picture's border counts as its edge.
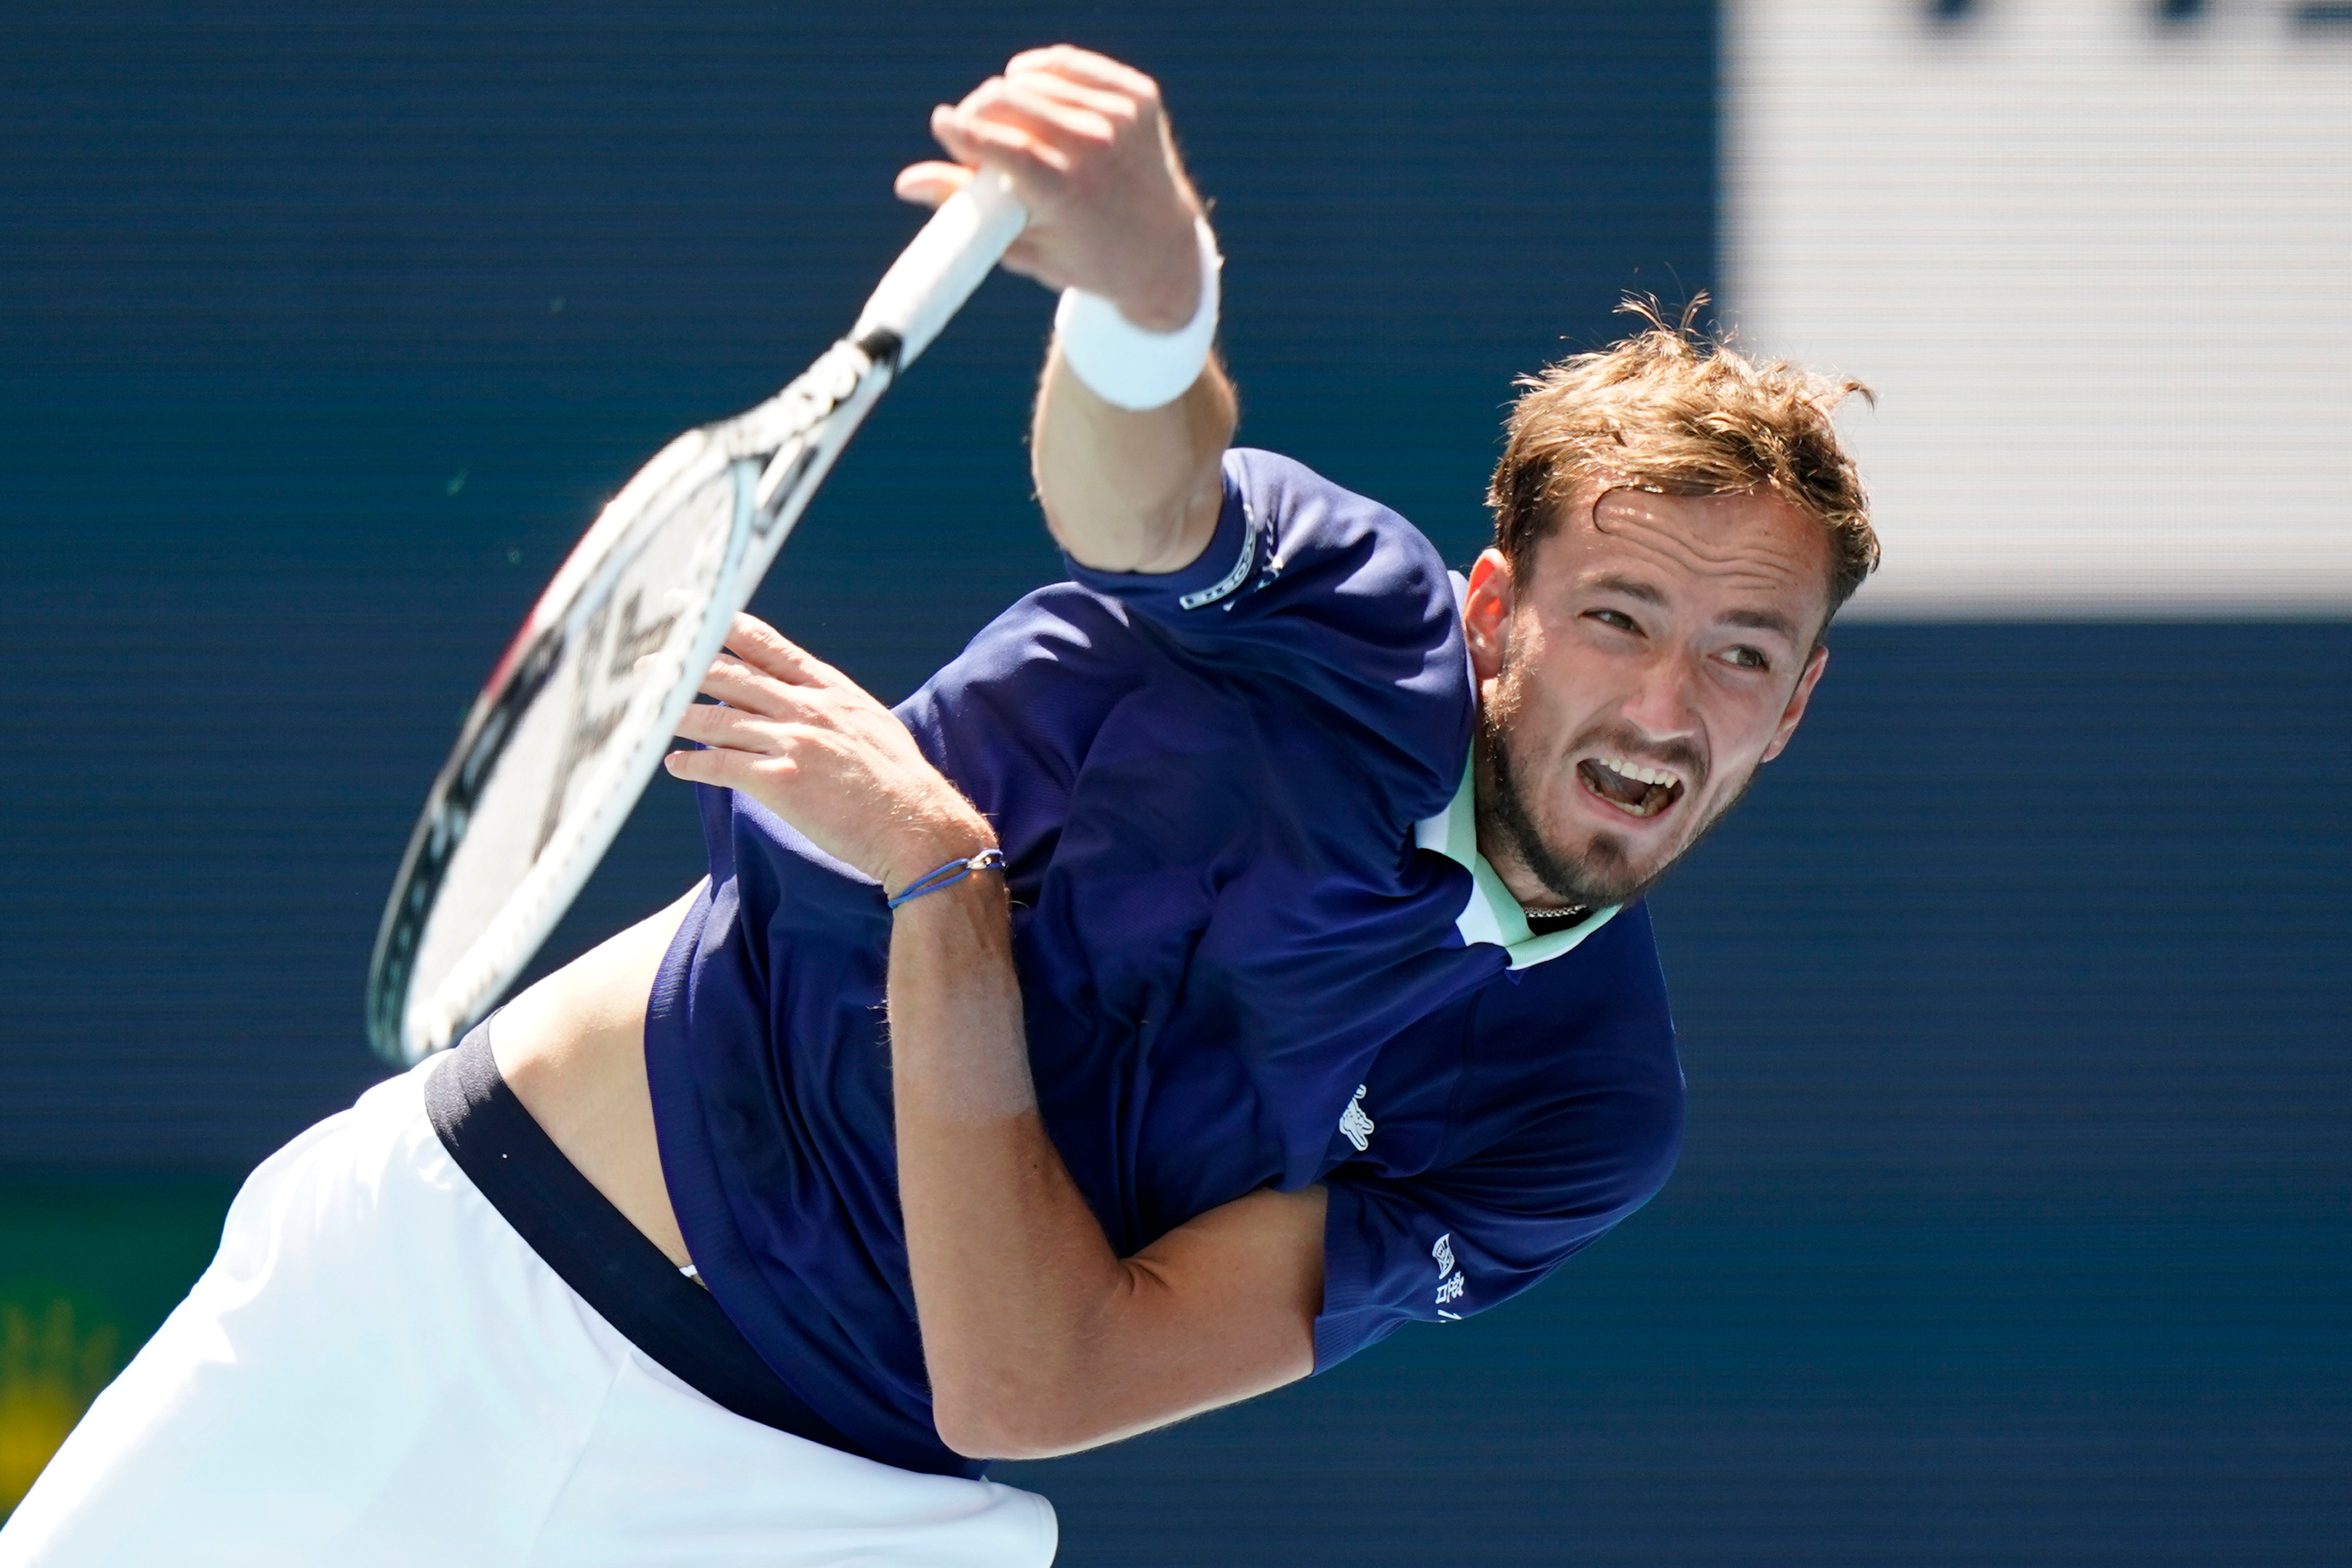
(377, 1370)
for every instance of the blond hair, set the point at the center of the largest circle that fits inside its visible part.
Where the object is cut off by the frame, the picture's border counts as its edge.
(1679, 411)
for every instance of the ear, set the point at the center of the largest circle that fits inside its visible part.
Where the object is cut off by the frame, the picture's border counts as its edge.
(1797, 700)
(1487, 614)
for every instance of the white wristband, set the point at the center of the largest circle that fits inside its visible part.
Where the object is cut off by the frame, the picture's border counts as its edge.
(1126, 366)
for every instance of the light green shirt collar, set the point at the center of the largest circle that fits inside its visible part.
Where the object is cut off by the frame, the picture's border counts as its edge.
(1493, 915)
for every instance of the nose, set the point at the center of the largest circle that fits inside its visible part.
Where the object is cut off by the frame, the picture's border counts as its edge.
(1662, 704)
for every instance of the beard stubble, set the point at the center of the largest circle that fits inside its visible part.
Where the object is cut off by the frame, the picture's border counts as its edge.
(1602, 872)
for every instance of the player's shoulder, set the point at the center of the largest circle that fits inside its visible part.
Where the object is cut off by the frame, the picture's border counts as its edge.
(1599, 1008)
(1613, 973)
(1326, 590)
(1289, 543)
(1579, 1050)
(1307, 511)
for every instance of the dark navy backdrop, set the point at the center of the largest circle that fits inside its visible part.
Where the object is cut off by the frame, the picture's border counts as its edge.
(2012, 1226)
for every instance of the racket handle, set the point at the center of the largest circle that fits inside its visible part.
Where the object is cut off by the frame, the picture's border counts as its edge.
(940, 269)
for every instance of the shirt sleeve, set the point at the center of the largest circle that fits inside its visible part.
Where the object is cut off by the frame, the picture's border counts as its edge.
(1334, 597)
(1452, 1242)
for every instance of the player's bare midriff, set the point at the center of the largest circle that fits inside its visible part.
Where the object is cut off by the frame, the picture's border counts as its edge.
(573, 1047)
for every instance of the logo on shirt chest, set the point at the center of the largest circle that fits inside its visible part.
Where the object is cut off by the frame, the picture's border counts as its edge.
(1355, 1123)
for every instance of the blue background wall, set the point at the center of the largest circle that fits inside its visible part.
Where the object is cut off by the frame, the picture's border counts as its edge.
(2013, 1224)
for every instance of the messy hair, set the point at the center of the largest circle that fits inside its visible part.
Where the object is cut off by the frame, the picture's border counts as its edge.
(1677, 410)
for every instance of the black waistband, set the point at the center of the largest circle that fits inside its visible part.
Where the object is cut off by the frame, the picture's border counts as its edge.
(603, 1258)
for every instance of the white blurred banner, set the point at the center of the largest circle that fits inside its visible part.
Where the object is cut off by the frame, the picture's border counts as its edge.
(2098, 264)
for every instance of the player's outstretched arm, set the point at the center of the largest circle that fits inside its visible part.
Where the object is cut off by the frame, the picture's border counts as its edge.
(1087, 146)
(1038, 1338)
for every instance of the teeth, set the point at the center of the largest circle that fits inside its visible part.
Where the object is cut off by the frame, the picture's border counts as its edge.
(1637, 772)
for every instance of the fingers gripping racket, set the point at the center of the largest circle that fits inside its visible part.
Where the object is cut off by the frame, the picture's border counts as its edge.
(578, 713)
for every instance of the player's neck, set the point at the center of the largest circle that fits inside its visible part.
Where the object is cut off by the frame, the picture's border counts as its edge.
(1500, 847)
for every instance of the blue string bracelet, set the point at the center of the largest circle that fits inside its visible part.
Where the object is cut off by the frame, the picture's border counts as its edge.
(949, 875)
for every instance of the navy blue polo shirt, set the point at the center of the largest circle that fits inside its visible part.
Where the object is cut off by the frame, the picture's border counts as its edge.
(1257, 947)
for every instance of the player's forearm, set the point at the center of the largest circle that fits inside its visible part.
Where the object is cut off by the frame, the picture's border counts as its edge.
(1127, 491)
(1009, 1265)
(1038, 1338)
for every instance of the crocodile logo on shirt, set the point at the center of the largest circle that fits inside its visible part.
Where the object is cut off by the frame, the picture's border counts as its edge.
(1355, 1123)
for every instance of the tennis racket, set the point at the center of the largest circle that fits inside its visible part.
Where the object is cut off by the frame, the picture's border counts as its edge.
(578, 713)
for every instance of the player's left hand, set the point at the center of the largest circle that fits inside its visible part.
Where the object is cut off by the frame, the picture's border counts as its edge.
(812, 746)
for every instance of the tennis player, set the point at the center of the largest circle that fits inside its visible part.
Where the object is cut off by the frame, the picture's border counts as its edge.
(1236, 954)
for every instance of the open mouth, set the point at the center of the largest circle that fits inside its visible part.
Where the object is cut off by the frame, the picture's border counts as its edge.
(1633, 788)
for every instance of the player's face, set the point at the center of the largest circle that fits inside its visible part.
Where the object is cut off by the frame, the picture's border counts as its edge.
(1662, 650)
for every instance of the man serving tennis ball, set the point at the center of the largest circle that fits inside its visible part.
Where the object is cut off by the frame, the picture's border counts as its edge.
(1322, 1001)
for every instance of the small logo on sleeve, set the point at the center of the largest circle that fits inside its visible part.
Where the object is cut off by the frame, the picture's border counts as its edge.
(1449, 1278)
(1253, 532)
(1355, 1123)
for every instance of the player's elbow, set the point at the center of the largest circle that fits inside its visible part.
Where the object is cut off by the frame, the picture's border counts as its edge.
(988, 1437)
(1010, 1422)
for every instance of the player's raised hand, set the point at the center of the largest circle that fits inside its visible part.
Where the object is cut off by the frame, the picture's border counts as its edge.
(812, 746)
(1087, 145)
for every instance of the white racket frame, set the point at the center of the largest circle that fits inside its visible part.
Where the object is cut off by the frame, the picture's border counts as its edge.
(778, 454)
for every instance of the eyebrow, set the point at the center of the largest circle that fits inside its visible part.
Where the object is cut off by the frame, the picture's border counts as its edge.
(1631, 587)
(1762, 621)
(1648, 594)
